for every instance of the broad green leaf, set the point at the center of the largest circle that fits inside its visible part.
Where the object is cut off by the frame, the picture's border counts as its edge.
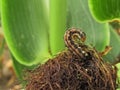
(57, 24)
(105, 10)
(0, 11)
(115, 44)
(0, 7)
(79, 16)
(25, 26)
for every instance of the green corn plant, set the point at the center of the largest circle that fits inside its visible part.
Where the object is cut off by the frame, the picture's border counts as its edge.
(34, 29)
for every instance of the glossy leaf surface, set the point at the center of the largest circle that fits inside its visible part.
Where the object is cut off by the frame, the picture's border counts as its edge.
(26, 30)
(105, 10)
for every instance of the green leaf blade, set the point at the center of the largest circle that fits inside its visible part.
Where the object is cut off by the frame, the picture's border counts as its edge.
(57, 25)
(25, 28)
(105, 10)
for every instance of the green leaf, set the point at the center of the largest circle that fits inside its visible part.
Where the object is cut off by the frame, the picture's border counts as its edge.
(105, 10)
(0, 11)
(115, 44)
(79, 16)
(57, 25)
(25, 24)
